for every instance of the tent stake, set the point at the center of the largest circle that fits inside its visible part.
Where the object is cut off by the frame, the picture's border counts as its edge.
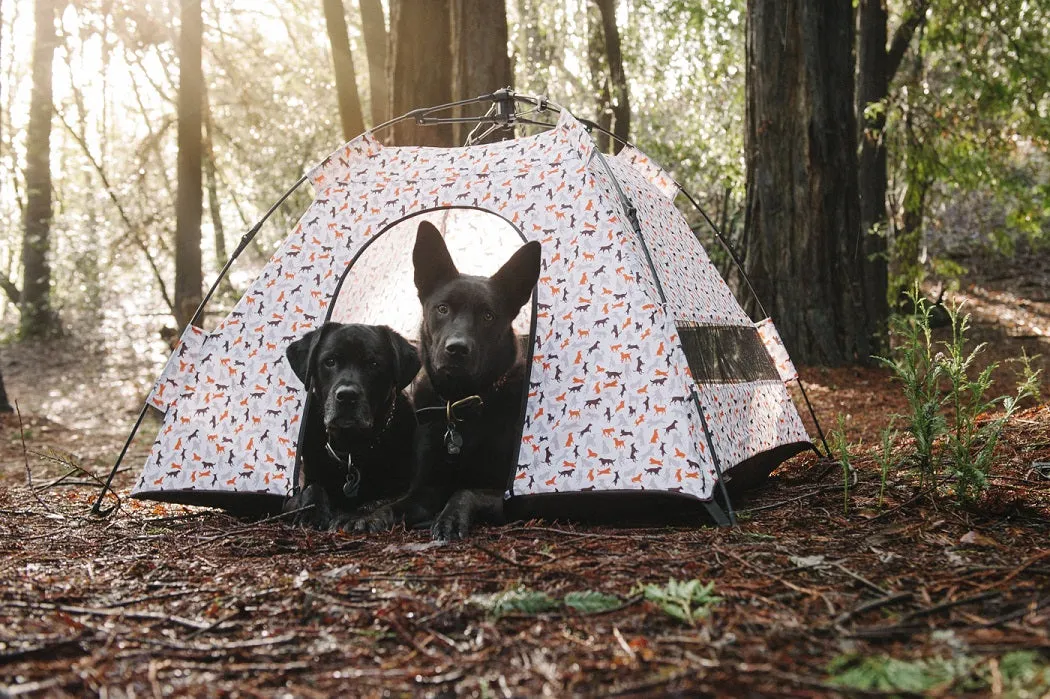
(96, 509)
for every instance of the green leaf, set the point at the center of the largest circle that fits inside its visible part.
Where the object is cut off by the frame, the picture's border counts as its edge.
(517, 601)
(687, 601)
(591, 601)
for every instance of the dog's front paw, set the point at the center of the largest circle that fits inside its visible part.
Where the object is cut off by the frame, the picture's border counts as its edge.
(453, 523)
(310, 507)
(380, 520)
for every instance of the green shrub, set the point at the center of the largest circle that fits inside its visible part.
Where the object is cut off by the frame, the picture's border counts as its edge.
(946, 397)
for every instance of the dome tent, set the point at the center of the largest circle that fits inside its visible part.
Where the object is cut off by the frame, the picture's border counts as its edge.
(645, 376)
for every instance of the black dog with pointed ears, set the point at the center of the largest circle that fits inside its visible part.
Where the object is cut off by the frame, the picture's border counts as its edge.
(357, 446)
(469, 399)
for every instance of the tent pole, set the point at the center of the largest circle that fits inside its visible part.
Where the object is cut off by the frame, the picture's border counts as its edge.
(813, 415)
(96, 509)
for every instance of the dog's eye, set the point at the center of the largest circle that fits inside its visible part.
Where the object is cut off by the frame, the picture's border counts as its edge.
(442, 308)
(489, 316)
(329, 362)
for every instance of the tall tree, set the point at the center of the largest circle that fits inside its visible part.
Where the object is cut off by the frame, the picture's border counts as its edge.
(877, 64)
(345, 77)
(5, 404)
(804, 242)
(373, 27)
(189, 200)
(37, 317)
(480, 63)
(599, 76)
(620, 102)
(420, 67)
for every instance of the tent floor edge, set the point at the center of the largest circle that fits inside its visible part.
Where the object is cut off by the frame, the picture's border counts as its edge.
(623, 508)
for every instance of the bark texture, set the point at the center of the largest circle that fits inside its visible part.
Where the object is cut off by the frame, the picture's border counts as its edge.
(37, 318)
(189, 200)
(877, 64)
(373, 27)
(345, 77)
(804, 243)
(480, 63)
(620, 101)
(420, 68)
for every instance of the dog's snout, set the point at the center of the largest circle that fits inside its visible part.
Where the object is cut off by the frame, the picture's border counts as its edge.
(457, 348)
(348, 394)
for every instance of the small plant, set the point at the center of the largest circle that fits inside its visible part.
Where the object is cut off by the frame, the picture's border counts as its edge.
(969, 445)
(521, 600)
(914, 364)
(885, 674)
(840, 447)
(518, 601)
(884, 457)
(591, 602)
(946, 399)
(687, 601)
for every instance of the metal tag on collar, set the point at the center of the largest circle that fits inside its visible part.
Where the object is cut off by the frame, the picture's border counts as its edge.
(453, 441)
(353, 482)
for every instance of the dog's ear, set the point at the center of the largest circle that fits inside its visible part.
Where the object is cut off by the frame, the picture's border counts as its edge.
(433, 265)
(302, 353)
(406, 359)
(516, 278)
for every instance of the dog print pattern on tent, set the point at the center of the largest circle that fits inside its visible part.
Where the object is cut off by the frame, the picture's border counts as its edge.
(612, 402)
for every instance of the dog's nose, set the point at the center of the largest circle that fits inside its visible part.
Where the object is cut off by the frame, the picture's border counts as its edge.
(457, 348)
(348, 394)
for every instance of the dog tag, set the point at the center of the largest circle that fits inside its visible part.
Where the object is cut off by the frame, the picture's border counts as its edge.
(453, 442)
(353, 482)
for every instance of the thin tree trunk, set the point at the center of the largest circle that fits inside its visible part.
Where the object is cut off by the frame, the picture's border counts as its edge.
(211, 182)
(373, 27)
(480, 63)
(345, 77)
(420, 67)
(5, 404)
(805, 255)
(599, 76)
(37, 317)
(621, 105)
(188, 276)
(877, 64)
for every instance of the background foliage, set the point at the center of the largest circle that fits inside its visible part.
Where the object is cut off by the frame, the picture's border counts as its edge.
(968, 126)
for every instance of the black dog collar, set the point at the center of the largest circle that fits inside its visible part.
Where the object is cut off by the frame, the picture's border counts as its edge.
(353, 474)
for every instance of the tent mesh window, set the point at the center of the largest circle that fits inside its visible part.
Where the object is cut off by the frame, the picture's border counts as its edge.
(726, 354)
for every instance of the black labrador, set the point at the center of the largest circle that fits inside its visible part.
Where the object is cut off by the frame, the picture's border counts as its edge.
(357, 446)
(469, 399)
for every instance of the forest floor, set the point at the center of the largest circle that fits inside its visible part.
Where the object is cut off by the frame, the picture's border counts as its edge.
(917, 593)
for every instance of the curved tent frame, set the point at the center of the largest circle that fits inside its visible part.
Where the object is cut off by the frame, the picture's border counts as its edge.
(503, 113)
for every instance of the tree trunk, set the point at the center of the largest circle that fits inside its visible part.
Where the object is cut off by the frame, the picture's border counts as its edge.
(420, 68)
(480, 63)
(873, 86)
(373, 26)
(188, 277)
(621, 105)
(5, 404)
(599, 77)
(211, 182)
(805, 255)
(877, 64)
(38, 319)
(345, 77)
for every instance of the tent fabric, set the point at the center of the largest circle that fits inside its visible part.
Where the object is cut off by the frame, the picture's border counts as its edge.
(611, 403)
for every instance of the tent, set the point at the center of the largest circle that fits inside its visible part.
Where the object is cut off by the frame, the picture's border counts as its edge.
(645, 376)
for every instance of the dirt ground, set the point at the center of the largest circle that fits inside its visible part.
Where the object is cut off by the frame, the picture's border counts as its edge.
(158, 600)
